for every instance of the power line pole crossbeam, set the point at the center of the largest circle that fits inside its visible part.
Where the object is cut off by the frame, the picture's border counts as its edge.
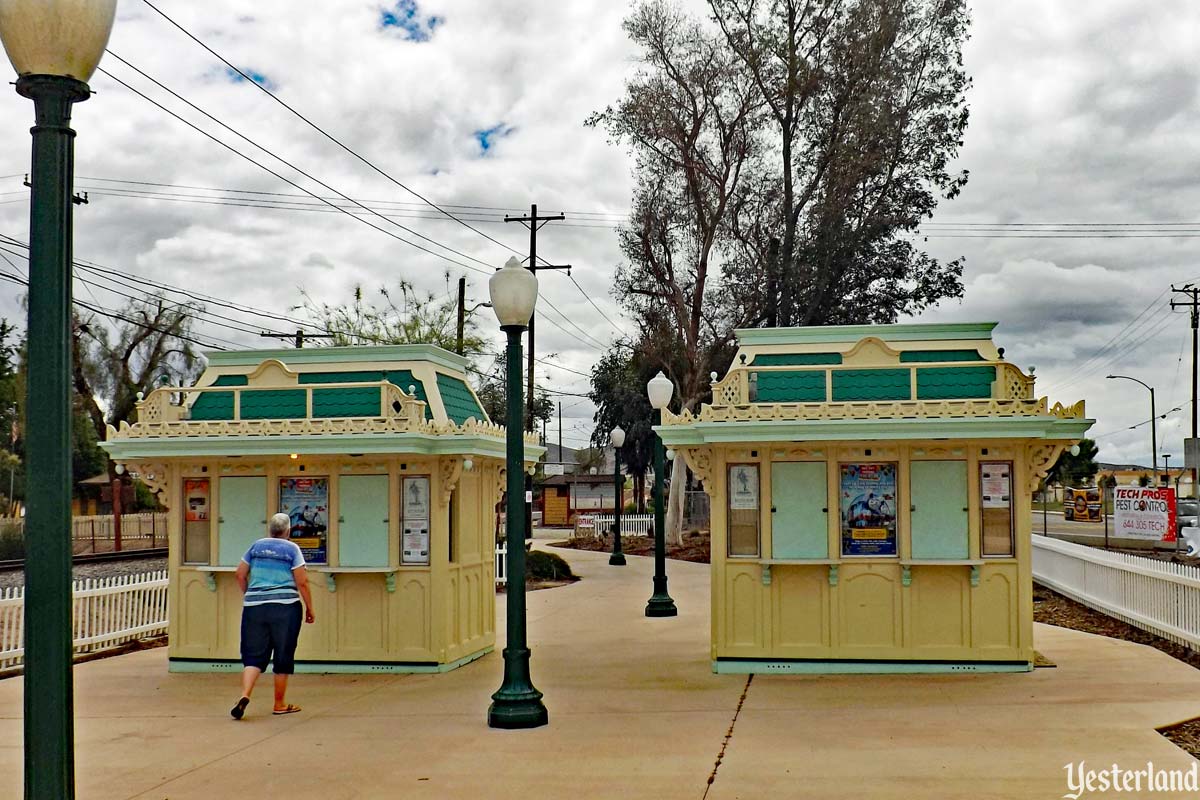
(1193, 304)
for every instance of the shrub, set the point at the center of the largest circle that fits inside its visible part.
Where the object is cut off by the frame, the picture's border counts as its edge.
(542, 566)
(12, 542)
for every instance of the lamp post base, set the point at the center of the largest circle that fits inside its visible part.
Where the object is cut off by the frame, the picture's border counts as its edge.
(661, 606)
(616, 560)
(517, 704)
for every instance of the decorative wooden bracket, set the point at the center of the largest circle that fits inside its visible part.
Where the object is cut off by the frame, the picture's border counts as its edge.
(699, 460)
(906, 575)
(974, 574)
(1040, 457)
(451, 471)
(766, 574)
(833, 574)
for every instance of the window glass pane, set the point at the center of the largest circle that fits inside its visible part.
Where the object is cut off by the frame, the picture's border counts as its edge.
(867, 500)
(995, 487)
(743, 510)
(197, 522)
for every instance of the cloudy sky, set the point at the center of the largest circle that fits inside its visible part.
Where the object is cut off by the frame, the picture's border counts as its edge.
(1079, 149)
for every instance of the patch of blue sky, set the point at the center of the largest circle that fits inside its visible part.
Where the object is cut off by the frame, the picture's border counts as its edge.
(257, 77)
(407, 18)
(487, 136)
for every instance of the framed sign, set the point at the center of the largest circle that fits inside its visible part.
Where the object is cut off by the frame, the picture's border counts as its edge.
(867, 497)
(414, 520)
(1144, 513)
(197, 505)
(306, 502)
(743, 510)
(996, 508)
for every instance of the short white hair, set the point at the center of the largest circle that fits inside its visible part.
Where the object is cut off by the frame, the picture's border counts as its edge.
(280, 524)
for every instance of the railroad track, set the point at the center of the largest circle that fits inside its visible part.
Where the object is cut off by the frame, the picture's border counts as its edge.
(96, 558)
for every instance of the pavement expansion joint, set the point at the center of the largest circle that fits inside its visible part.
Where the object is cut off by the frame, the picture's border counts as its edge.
(728, 735)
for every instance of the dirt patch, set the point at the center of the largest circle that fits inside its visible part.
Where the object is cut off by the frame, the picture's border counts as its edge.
(695, 546)
(1052, 608)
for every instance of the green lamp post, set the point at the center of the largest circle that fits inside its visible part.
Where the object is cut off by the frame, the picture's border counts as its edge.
(659, 389)
(55, 46)
(617, 439)
(516, 704)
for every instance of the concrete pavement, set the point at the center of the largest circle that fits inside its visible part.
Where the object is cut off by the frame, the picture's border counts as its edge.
(634, 712)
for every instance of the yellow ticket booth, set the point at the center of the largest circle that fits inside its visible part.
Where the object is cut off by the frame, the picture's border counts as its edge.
(390, 471)
(871, 490)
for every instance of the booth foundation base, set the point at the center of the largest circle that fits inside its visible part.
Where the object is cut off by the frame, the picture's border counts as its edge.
(739, 666)
(331, 667)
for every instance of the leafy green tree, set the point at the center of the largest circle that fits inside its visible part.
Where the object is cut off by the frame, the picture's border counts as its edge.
(619, 392)
(493, 395)
(1077, 470)
(400, 316)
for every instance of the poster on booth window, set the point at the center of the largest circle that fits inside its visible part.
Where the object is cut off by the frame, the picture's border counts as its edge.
(1144, 513)
(414, 533)
(867, 494)
(306, 501)
(196, 495)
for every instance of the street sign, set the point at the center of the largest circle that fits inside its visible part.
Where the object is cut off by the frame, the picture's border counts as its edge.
(1191, 453)
(552, 469)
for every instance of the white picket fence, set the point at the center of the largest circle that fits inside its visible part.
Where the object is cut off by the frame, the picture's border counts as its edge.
(107, 612)
(1157, 596)
(601, 524)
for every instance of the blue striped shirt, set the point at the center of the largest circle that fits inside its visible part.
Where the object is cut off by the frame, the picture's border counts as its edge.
(271, 563)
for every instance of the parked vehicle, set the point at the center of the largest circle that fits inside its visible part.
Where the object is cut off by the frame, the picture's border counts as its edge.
(1081, 505)
(1187, 511)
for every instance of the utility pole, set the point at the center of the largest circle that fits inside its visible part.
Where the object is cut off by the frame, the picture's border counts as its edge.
(560, 452)
(1193, 302)
(534, 223)
(462, 312)
(299, 337)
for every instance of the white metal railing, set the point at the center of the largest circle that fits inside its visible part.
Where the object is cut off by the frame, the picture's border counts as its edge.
(600, 525)
(107, 612)
(1157, 596)
(147, 525)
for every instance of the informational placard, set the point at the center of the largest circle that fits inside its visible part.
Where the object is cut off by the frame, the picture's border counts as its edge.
(867, 494)
(552, 469)
(414, 532)
(1144, 513)
(196, 499)
(995, 485)
(743, 487)
(306, 501)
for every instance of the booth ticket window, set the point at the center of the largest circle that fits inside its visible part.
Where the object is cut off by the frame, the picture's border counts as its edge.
(743, 510)
(197, 521)
(414, 528)
(306, 501)
(867, 500)
(995, 487)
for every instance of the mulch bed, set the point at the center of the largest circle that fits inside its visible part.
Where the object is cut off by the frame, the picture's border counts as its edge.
(1052, 608)
(695, 546)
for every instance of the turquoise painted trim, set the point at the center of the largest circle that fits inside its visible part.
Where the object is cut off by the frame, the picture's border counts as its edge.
(699, 433)
(828, 334)
(927, 356)
(357, 354)
(795, 359)
(340, 444)
(330, 667)
(762, 667)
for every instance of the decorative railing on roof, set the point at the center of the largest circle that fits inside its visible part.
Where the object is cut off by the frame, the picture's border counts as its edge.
(165, 414)
(892, 410)
(1004, 381)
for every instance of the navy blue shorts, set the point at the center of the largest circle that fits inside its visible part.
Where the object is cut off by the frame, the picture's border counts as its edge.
(269, 634)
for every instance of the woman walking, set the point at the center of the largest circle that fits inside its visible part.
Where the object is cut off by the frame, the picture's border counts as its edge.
(272, 577)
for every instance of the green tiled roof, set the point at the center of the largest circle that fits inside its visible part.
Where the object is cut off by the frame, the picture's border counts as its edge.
(957, 383)
(457, 398)
(360, 402)
(217, 405)
(910, 356)
(871, 384)
(274, 404)
(791, 386)
(796, 359)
